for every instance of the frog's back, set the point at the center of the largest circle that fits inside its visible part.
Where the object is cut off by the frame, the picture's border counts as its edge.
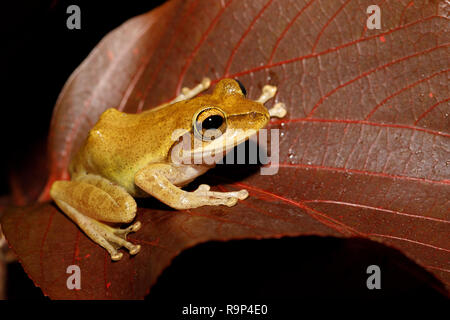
(118, 146)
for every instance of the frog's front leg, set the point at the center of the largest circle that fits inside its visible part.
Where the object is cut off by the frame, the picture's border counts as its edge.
(90, 199)
(268, 92)
(160, 180)
(187, 93)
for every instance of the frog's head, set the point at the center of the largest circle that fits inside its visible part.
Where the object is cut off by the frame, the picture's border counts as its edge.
(224, 119)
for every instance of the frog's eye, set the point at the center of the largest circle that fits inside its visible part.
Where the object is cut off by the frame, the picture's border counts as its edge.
(209, 124)
(244, 92)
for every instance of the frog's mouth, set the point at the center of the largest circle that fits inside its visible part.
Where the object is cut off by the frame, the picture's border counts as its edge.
(212, 151)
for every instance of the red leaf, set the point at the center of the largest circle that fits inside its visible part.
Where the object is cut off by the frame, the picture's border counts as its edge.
(363, 152)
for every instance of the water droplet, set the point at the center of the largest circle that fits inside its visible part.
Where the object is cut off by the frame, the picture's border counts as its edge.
(292, 156)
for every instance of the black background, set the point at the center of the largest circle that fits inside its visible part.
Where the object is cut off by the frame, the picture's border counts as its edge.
(38, 55)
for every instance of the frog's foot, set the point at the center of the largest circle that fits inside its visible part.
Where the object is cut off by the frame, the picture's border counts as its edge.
(217, 198)
(187, 93)
(268, 92)
(111, 238)
(278, 110)
(108, 237)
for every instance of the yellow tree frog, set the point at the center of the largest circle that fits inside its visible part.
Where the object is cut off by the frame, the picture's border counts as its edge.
(126, 156)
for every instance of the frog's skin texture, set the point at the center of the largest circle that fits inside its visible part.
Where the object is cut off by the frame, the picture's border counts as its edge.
(129, 155)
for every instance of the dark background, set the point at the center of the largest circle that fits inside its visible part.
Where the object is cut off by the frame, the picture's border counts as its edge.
(38, 55)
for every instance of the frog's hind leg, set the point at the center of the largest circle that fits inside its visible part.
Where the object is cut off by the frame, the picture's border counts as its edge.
(187, 93)
(279, 109)
(91, 199)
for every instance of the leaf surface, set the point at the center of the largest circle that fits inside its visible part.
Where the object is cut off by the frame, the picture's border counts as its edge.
(364, 150)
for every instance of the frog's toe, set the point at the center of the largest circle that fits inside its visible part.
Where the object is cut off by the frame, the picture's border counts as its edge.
(111, 238)
(115, 242)
(242, 194)
(124, 232)
(116, 256)
(206, 82)
(228, 199)
(268, 92)
(202, 189)
(278, 110)
(230, 202)
(118, 238)
(135, 250)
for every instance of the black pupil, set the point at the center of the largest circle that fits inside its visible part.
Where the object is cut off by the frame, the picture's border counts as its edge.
(244, 92)
(212, 122)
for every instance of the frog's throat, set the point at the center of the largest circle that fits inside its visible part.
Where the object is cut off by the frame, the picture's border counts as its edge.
(217, 149)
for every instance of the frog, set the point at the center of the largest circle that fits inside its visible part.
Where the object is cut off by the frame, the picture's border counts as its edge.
(128, 156)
